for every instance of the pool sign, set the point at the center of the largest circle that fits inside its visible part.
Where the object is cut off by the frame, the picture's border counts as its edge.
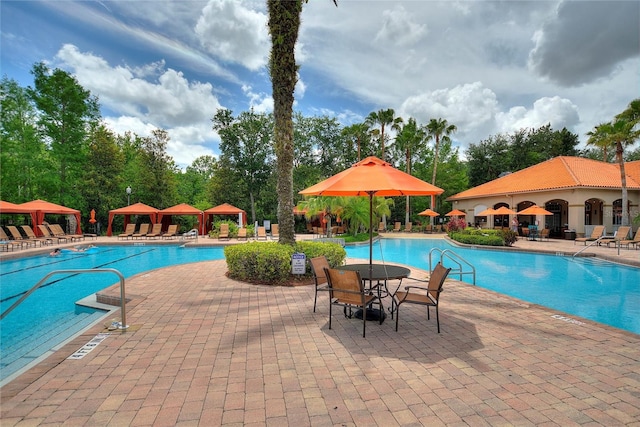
(298, 263)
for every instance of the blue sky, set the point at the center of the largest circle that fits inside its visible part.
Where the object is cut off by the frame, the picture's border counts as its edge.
(486, 66)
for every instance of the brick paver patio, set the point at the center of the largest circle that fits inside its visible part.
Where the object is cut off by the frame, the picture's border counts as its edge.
(207, 350)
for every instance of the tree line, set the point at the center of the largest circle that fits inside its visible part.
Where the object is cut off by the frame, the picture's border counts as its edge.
(55, 146)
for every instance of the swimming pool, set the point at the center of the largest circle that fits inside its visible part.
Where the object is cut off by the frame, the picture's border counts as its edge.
(602, 291)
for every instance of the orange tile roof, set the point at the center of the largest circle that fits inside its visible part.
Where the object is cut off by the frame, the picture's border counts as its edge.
(557, 173)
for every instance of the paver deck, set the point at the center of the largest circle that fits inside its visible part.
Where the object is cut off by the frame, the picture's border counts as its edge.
(208, 350)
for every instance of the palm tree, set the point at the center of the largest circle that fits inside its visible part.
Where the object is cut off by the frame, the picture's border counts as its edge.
(383, 118)
(358, 133)
(438, 129)
(409, 141)
(597, 138)
(620, 134)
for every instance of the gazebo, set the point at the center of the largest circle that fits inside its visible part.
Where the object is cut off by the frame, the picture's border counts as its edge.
(135, 209)
(225, 209)
(182, 209)
(39, 208)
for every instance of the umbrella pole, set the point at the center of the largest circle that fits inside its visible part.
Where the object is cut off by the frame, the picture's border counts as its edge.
(371, 234)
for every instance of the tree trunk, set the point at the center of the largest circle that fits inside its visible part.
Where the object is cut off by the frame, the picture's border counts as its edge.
(284, 23)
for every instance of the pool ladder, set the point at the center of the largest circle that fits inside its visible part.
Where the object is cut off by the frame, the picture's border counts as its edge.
(456, 259)
(123, 323)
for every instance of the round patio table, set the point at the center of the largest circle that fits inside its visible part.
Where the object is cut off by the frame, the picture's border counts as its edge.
(378, 273)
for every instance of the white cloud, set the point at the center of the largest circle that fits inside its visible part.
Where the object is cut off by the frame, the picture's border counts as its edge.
(399, 29)
(471, 107)
(556, 111)
(234, 33)
(149, 97)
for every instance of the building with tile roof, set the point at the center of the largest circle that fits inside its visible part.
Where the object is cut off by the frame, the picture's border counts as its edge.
(580, 193)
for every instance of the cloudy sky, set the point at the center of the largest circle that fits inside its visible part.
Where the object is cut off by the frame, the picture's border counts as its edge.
(486, 66)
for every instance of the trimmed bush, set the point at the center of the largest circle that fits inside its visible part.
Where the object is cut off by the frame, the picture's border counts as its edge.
(471, 236)
(270, 262)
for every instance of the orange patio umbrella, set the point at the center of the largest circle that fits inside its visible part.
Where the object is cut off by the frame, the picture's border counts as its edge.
(503, 210)
(429, 212)
(535, 210)
(372, 177)
(487, 212)
(456, 212)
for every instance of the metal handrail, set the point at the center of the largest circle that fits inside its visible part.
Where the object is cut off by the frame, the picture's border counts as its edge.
(455, 258)
(123, 323)
(591, 244)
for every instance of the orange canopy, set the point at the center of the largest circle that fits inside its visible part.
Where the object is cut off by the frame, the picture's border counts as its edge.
(127, 211)
(225, 209)
(456, 212)
(39, 208)
(11, 208)
(183, 209)
(372, 177)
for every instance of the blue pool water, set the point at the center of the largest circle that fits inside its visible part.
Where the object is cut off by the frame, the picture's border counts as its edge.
(605, 292)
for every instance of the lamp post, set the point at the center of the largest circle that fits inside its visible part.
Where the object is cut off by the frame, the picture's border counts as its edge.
(128, 190)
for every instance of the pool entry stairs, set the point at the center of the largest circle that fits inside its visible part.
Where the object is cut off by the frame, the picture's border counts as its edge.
(30, 346)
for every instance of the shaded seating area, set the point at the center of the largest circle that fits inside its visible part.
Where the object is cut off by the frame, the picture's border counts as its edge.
(156, 231)
(428, 296)
(31, 235)
(57, 231)
(346, 289)
(224, 232)
(172, 232)
(47, 233)
(597, 233)
(17, 236)
(397, 226)
(142, 231)
(128, 231)
(9, 245)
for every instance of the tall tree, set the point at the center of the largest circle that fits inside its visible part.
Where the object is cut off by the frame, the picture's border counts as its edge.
(67, 113)
(284, 23)
(25, 163)
(410, 140)
(102, 178)
(383, 118)
(358, 133)
(246, 148)
(438, 129)
(158, 185)
(619, 134)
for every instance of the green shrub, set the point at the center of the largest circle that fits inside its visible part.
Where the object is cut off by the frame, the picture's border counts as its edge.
(270, 262)
(472, 236)
(509, 237)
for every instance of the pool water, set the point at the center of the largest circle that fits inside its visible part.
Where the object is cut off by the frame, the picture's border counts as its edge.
(602, 291)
